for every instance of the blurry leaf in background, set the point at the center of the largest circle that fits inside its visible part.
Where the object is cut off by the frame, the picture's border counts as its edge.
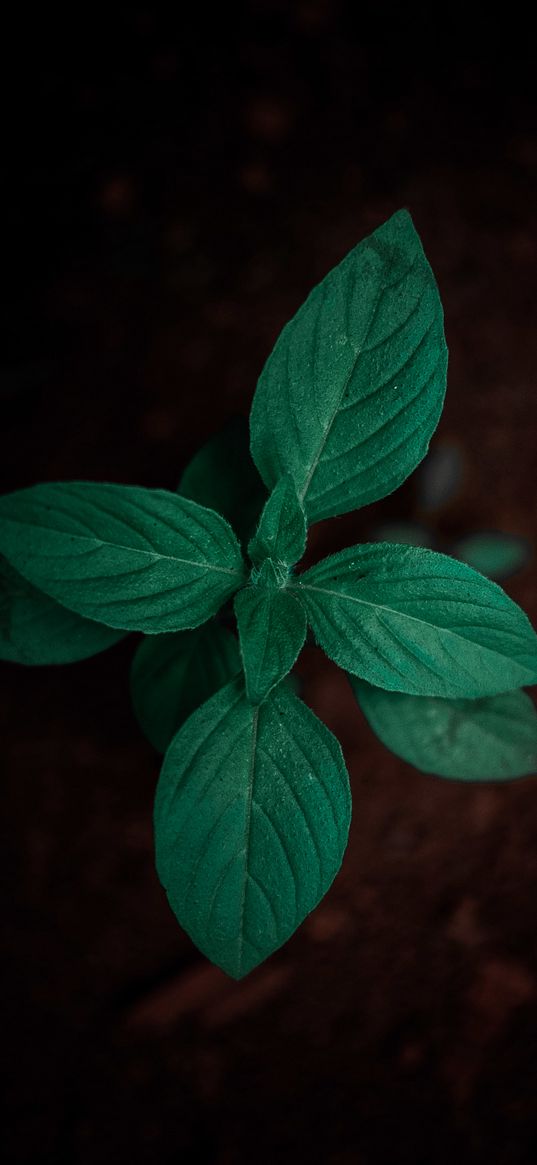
(439, 476)
(222, 476)
(494, 554)
(403, 534)
(171, 675)
(474, 740)
(35, 629)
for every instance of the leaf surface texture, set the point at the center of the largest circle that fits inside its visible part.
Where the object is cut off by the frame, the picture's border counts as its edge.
(412, 620)
(252, 816)
(134, 558)
(353, 389)
(494, 738)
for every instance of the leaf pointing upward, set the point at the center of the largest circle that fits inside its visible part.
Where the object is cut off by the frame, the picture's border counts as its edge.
(281, 532)
(353, 389)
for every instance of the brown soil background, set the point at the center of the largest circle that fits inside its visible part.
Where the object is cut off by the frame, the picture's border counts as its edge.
(175, 191)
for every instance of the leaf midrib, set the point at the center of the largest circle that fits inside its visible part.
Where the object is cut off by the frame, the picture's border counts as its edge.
(249, 803)
(358, 353)
(394, 611)
(97, 543)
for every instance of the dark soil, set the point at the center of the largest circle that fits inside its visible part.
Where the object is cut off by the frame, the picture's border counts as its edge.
(174, 194)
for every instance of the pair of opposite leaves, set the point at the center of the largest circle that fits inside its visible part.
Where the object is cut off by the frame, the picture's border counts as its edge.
(253, 805)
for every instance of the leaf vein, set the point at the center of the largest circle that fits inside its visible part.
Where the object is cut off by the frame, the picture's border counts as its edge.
(271, 761)
(337, 409)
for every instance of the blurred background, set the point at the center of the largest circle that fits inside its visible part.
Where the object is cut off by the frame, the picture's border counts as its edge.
(175, 187)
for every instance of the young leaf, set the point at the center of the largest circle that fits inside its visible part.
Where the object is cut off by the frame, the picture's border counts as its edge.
(471, 740)
(494, 554)
(272, 629)
(281, 533)
(34, 629)
(222, 476)
(252, 815)
(411, 620)
(140, 559)
(171, 675)
(353, 389)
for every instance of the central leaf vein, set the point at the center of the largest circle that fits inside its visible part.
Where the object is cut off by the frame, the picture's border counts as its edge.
(394, 611)
(248, 828)
(358, 352)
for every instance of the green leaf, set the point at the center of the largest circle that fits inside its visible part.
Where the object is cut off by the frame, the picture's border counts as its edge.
(471, 740)
(34, 629)
(281, 533)
(272, 629)
(353, 389)
(494, 554)
(171, 675)
(222, 476)
(411, 620)
(252, 815)
(140, 559)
